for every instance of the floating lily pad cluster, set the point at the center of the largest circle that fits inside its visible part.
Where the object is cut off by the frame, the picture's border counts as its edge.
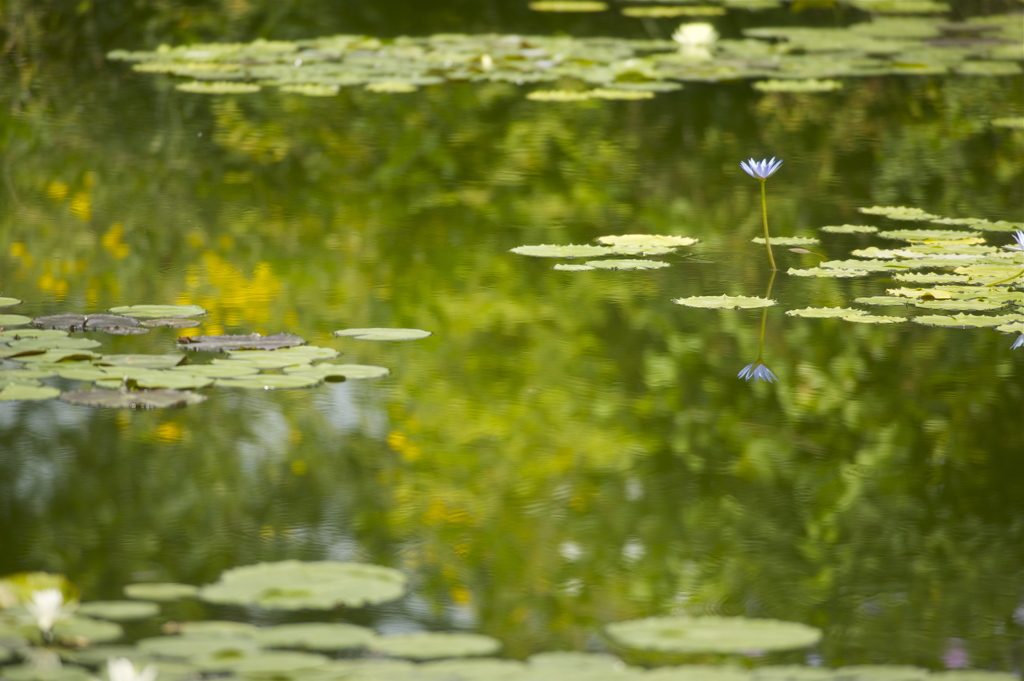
(623, 244)
(787, 58)
(43, 348)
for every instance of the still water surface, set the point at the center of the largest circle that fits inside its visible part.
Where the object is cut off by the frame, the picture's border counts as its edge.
(567, 449)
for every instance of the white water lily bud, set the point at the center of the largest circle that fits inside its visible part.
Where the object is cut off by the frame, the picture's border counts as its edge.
(46, 606)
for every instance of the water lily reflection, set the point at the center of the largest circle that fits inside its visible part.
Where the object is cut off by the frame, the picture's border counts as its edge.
(1019, 343)
(757, 371)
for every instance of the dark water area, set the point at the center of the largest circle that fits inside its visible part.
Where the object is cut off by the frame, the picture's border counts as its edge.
(567, 449)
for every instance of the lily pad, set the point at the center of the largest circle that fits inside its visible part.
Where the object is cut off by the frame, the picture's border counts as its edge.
(920, 293)
(157, 311)
(16, 392)
(271, 381)
(210, 652)
(15, 334)
(142, 399)
(899, 212)
(226, 369)
(882, 300)
(627, 264)
(9, 302)
(825, 312)
(218, 87)
(33, 672)
(433, 645)
(294, 585)
(14, 320)
(684, 634)
(836, 273)
(724, 302)
(86, 630)
(67, 322)
(926, 234)
(646, 240)
(116, 324)
(218, 628)
(314, 636)
(274, 664)
(930, 278)
(555, 96)
(960, 305)
(383, 334)
(698, 672)
(574, 268)
(252, 341)
(340, 371)
(964, 320)
(874, 319)
(476, 669)
(797, 85)
(568, 6)
(882, 672)
(788, 240)
(160, 591)
(297, 354)
(555, 251)
(119, 611)
(849, 229)
(165, 361)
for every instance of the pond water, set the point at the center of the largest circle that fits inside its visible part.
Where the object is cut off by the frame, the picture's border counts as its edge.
(567, 449)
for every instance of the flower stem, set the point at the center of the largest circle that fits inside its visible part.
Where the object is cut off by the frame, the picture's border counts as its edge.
(764, 216)
(764, 313)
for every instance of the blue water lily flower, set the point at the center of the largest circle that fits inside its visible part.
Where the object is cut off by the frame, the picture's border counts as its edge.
(757, 371)
(1019, 343)
(761, 170)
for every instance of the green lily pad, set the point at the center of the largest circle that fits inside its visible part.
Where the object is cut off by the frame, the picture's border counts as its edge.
(698, 672)
(926, 234)
(383, 334)
(684, 634)
(899, 213)
(433, 645)
(882, 672)
(616, 94)
(724, 302)
(788, 240)
(571, 662)
(314, 636)
(555, 96)
(849, 229)
(156, 311)
(96, 656)
(53, 356)
(15, 334)
(311, 89)
(222, 369)
(960, 305)
(252, 341)
(646, 240)
(9, 302)
(836, 273)
(142, 399)
(568, 6)
(294, 585)
(299, 354)
(33, 672)
(160, 591)
(86, 629)
(14, 320)
(270, 381)
(627, 264)
(964, 320)
(574, 268)
(882, 300)
(218, 87)
(119, 611)
(15, 392)
(44, 344)
(218, 628)
(209, 652)
(825, 312)
(874, 319)
(555, 251)
(165, 361)
(972, 675)
(930, 278)
(391, 86)
(340, 371)
(797, 85)
(792, 672)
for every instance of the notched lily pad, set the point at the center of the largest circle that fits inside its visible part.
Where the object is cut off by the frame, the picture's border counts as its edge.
(432, 646)
(252, 341)
(555, 251)
(725, 302)
(295, 585)
(141, 399)
(963, 320)
(383, 334)
(684, 634)
(158, 311)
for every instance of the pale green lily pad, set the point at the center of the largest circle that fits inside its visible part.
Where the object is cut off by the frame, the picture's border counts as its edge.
(210, 652)
(152, 378)
(31, 672)
(849, 229)
(270, 381)
(930, 278)
(392, 86)
(684, 634)
(568, 6)
(314, 636)
(265, 361)
(302, 353)
(1012, 327)
(475, 669)
(868, 265)
(960, 305)
(14, 320)
(556, 96)
(96, 656)
(9, 302)
(294, 585)
(222, 369)
(572, 661)
(698, 672)
(346, 371)
(160, 591)
(165, 361)
(119, 611)
(434, 645)
(920, 293)
(836, 273)
(825, 312)
(881, 672)
(44, 344)
(796, 85)
(788, 240)
(964, 320)
(311, 89)
(86, 629)
(627, 264)
(899, 212)
(882, 253)
(882, 300)
(987, 68)
(927, 234)
(555, 251)
(383, 334)
(874, 319)
(218, 87)
(661, 11)
(15, 392)
(218, 628)
(622, 95)
(155, 311)
(14, 334)
(142, 399)
(646, 240)
(972, 675)
(50, 356)
(1009, 122)
(724, 302)
(792, 672)
(275, 664)
(574, 268)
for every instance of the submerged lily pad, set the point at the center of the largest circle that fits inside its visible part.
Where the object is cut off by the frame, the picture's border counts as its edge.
(383, 334)
(252, 341)
(156, 311)
(294, 585)
(555, 251)
(627, 264)
(314, 636)
(141, 399)
(119, 610)
(684, 634)
(160, 591)
(724, 302)
(431, 646)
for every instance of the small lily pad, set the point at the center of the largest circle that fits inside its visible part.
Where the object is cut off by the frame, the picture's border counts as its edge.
(160, 591)
(849, 229)
(16, 392)
(314, 636)
(574, 268)
(9, 302)
(14, 320)
(271, 381)
(340, 371)
(684, 634)
(15, 334)
(568, 6)
(217, 87)
(219, 628)
(825, 312)
(644, 240)
(796, 85)
(555, 251)
(252, 341)
(874, 319)
(225, 369)
(165, 361)
(788, 240)
(383, 334)
(555, 96)
(156, 311)
(724, 302)
(119, 611)
(899, 213)
(836, 273)
(201, 650)
(882, 672)
(142, 399)
(433, 645)
(627, 264)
